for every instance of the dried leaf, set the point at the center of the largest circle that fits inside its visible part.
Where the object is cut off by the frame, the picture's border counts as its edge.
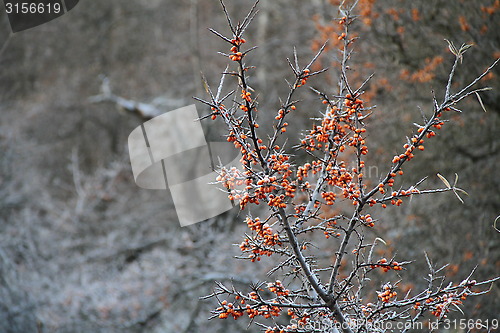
(452, 48)
(464, 48)
(460, 190)
(444, 181)
(480, 101)
(458, 308)
(458, 196)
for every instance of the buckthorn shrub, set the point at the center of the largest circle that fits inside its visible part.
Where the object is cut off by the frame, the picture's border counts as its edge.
(328, 194)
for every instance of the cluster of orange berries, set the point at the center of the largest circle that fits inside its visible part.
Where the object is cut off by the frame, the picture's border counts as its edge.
(230, 178)
(439, 305)
(358, 139)
(265, 238)
(266, 185)
(417, 142)
(334, 127)
(246, 199)
(236, 54)
(277, 201)
(398, 201)
(303, 171)
(329, 197)
(373, 202)
(405, 192)
(438, 124)
(388, 293)
(279, 163)
(238, 139)
(228, 309)
(351, 191)
(278, 288)
(304, 77)
(368, 220)
(274, 189)
(382, 263)
(342, 178)
(390, 182)
(236, 311)
(282, 112)
(289, 187)
(331, 229)
(246, 95)
(251, 312)
(408, 154)
(367, 309)
(217, 111)
(339, 176)
(381, 189)
(352, 103)
(265, 311)
(319, 135)
(299, 209)
(231, 137)
(248, 156)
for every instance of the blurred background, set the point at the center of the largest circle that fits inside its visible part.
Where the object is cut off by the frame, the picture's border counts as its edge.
(83, 249)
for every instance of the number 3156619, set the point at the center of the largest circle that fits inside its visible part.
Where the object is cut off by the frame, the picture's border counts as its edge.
(32, 8)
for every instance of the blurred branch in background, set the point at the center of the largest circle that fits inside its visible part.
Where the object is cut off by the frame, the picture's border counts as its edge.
(145, 111)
